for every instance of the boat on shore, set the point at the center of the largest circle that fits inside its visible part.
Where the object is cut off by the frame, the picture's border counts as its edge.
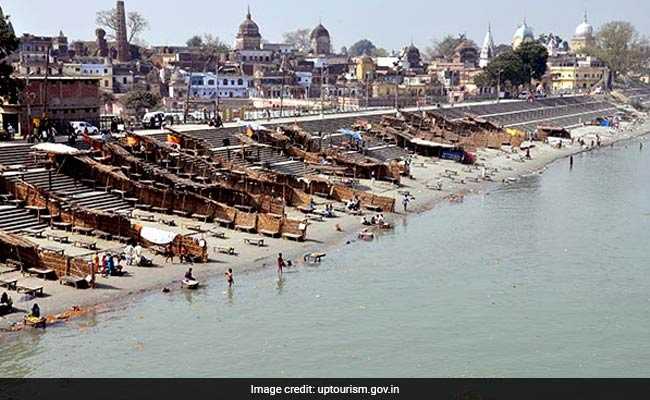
(190, 284)
(35, 322)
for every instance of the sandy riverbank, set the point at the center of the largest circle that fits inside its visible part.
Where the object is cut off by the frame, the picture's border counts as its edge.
(500, 166)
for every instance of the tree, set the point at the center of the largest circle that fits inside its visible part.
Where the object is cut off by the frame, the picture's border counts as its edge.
(194, 41)
(8, 44)
(445, 48)
(135, 23)
(363, 46)
(300, 39)
(214, 44)
(140, 100)
(620, 47)
(533, 57)
(381, 52)
(506, 69)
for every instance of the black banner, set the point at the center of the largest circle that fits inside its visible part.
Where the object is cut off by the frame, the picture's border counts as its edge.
(332, 389)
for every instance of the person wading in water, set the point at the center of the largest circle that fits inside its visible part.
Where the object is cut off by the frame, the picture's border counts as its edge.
(229, 278)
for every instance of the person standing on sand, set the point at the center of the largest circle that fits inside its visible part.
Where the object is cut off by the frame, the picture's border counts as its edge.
(281, 264)
(229, 278)
(571, 162)
(169, 254)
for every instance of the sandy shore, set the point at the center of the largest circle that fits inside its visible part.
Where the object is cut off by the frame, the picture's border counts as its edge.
(501, 166)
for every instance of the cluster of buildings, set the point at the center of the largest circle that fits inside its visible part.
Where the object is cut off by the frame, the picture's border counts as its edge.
(258, 75)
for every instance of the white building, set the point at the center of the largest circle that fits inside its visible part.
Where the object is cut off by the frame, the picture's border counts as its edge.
(211, 86)
(488, 49)
(97, 67)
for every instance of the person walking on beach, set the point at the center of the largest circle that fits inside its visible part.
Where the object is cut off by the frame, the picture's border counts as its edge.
(571, 162)
(640, 145)
(229, 278)
(169, 254)
(281, 264)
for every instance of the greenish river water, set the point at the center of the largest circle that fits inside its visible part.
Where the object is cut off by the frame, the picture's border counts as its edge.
(546, 277)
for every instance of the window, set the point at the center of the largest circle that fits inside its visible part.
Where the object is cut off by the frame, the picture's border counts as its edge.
(232, 83)
(124, 81)
(240, 82)
(105, 70)
(211, 82)
(105, 83)
(225, 82)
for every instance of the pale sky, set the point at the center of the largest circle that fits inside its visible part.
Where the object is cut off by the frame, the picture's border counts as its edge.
(387, 23)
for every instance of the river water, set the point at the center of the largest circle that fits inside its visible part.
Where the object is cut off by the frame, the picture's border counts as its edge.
(546, 277)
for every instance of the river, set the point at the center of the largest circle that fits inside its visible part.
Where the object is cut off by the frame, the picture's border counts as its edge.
(547, 277)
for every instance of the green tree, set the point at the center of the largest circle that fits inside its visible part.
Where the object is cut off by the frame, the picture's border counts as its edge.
(8, 44)
(533, 57)
(300, 39)
(506, 68)
(194, 41)
(620, 47)
(363, 46)
(140, 100)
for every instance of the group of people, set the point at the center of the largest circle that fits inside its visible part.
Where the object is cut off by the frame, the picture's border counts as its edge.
(110, 264)
(184, 255)
(354, 204)
(374, 220)
(133, 254)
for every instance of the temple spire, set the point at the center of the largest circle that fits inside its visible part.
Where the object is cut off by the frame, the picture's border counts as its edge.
(248, 12)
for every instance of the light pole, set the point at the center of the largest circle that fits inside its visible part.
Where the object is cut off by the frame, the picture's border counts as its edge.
(499, 84)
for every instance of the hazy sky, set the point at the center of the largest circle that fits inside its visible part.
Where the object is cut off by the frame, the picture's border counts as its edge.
(390, 24)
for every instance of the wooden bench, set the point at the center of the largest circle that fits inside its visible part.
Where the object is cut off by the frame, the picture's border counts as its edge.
(53, 250)
(14, 265)
(247, 228)
(41, 273)
(64, 226)
(269, 233)
(200, 216)
(374, 208)
(254, 242)
(57, 237)
(145, 217)
(103, 235)
(226, 250)
(35, 291)
(294, 236)
(160, 210)
(83, 230)
(223, 222)
(10, 284)
(217, 234)
(181, 213)
(74, 281)
(145, 207)
(131, 200)
(196, 228)
(305, 210)
(36, 233)
(85, 244)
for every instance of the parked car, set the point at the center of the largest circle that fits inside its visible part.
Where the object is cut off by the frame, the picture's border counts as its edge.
(80, 126)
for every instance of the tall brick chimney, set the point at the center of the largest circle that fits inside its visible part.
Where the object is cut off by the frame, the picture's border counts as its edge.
(123, 53)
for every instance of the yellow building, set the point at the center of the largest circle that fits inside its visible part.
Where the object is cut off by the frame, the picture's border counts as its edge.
(577, 75)
(365, 70)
